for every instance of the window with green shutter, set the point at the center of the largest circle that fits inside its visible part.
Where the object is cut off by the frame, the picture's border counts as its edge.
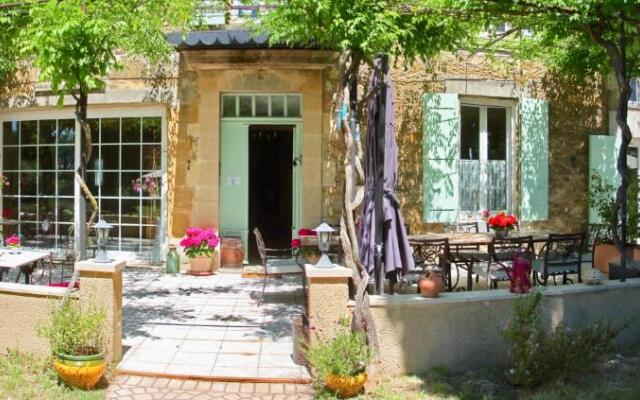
(534, 160)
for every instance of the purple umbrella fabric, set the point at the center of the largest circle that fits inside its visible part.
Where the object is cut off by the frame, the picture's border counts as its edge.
(397, 252)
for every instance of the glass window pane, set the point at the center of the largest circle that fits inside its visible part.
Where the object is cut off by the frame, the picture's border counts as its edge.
(28, 183)
(150, 184)
(47, 183)
(46, 208)
(130, 238)
(94, 161)
(65, 184)
(66, 157)
(29, 132)
(48, 131)
(10, 132)
(110, 156)
(131, 157)
(28, 231)
(130, 211)
(469, 185)
(277, 106)
(229, 106)
(150, 211)
(152, 130)
(28, 209)
(109, 210)
(67, 131)
(47, 157)
(29, 158)
(262, 106)
(114, 238)
(95, 130)
(110, 184)
(470, 133)
(497, 133)
(11, 183)
(65, 209)
(110, 132)
(293, 106)
(148, 233)
(93, 181)
(131, 130)
(10, 157)
(9, 208)
(151, 157)
(245, 106)
(128, 183)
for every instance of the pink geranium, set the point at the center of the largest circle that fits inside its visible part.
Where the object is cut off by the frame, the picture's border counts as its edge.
(13, 241)
(199, 242)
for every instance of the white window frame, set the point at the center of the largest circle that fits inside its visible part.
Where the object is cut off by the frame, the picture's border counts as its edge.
(98, 111)
(484, 103)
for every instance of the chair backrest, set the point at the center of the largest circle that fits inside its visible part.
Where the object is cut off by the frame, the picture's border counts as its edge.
(261, 246)
(430, 253)
(467, 227)
(564, 250)
(504, 250)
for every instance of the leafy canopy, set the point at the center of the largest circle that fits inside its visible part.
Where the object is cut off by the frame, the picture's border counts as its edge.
(76, 43)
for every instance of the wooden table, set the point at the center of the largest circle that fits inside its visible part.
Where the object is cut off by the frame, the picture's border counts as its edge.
(467, 247)
(25, 260)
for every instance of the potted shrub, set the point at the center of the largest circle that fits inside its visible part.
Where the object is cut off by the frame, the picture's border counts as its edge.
(601, 200)
(340, 362)
(502, 223)
(76, 335)
(199, 245)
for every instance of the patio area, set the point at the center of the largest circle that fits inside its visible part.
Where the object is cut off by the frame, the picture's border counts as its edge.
(210, 327)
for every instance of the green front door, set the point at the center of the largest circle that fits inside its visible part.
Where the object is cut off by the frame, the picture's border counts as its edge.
(234, 180)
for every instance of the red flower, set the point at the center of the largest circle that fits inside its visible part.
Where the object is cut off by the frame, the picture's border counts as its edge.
(295, 244)
(306, 232)
(502, 221)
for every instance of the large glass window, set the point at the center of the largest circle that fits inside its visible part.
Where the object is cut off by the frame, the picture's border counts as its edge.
(37, 162)
(125, 175)
(483, 158)
(261, 105)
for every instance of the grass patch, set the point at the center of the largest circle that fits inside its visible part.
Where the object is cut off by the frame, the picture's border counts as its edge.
(23, 377)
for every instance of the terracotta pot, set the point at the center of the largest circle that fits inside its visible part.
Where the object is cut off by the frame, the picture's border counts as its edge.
(200, 265)
(606, 253)
(231, 252)
(83, 372)
(345, 386)
(431, 285)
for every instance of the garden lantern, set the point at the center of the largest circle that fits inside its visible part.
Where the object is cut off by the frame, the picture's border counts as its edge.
(102, 235)
(324, 232)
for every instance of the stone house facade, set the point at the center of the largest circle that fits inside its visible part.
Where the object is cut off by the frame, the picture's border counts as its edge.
(235, 134)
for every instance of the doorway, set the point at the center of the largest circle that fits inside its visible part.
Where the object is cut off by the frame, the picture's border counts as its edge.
(270, 185)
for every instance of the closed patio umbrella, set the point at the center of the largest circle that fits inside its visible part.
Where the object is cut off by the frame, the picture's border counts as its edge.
(389, 230)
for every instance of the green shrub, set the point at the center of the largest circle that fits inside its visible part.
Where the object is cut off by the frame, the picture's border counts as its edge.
(538, 357)
(75, 330)
(602, 198)
(346, 354)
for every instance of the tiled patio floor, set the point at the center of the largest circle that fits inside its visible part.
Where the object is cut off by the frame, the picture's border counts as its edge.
(209, 326)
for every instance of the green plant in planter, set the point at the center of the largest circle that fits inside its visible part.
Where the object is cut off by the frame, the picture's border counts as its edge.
(601, 199)
(340, 362)
(76, 334)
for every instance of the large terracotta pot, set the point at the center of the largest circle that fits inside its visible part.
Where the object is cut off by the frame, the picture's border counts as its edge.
(345, 386)
(200, 265)
(231, 252)
(606, 253)
(83, 372)
(431, 285)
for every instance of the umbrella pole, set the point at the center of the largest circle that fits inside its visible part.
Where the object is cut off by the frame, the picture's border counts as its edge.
(379, 173)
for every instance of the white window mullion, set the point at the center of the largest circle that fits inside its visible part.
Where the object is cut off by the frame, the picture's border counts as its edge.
(483, 149)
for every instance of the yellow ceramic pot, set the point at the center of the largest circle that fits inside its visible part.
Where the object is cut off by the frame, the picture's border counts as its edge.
(345, 386)
(83, 372)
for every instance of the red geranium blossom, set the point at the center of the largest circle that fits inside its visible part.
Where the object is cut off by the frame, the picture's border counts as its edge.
(502, 221)
(295, 244)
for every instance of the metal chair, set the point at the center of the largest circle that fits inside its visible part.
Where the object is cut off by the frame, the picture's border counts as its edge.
(560, 255)
(429, 254)
(52, 264)
(592, 238)
(501, 255)
(276, 262)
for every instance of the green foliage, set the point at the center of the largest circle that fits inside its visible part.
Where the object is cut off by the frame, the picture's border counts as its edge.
(539, 357)
(75, 330)
(601, 198)
(347, 354)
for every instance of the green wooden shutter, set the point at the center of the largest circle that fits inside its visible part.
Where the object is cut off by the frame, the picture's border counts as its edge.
(534, 160)
(603, 156)
(441, 125)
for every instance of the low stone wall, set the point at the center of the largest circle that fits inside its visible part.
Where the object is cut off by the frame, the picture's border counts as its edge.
(462, 330)
(22, 308)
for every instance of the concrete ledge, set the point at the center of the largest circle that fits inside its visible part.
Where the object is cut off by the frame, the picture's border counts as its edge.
(91, 266)
(312, 272)
(34, 290)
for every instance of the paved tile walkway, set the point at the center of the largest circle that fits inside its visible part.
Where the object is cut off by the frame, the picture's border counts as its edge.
(209, 326)
(139, 388)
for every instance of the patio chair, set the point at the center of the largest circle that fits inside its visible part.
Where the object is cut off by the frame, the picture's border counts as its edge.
(429, 254)
(52, 264)
(276, 262)
(560, 255)
(465, 255)
(501, 255)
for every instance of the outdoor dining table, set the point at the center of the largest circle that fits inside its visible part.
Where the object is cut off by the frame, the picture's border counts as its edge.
(468, 248)
(24, 260)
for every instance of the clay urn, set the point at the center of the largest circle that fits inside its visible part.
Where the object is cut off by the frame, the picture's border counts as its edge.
(431, 284)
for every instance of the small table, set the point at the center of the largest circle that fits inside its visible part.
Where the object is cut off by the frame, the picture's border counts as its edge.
(25, 260)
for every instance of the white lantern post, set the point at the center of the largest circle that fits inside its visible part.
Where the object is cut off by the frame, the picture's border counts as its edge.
(102, 236)
(324, 232)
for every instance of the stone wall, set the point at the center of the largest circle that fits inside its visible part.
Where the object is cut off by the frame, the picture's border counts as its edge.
(576, 111)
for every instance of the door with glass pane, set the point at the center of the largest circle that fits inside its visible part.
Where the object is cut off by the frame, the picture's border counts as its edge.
(483, 158)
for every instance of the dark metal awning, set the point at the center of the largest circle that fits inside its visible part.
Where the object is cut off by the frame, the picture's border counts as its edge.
(225, 39)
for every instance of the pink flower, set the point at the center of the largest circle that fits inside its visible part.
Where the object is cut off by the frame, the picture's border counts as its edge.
(14, 240)
(486, 213)
(213, 242)
(295, 244)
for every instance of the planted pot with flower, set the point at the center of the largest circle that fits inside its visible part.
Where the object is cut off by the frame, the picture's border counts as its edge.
(502, 223)
(13, 243)
(340, 362)
(77, 341)
(199, 245)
